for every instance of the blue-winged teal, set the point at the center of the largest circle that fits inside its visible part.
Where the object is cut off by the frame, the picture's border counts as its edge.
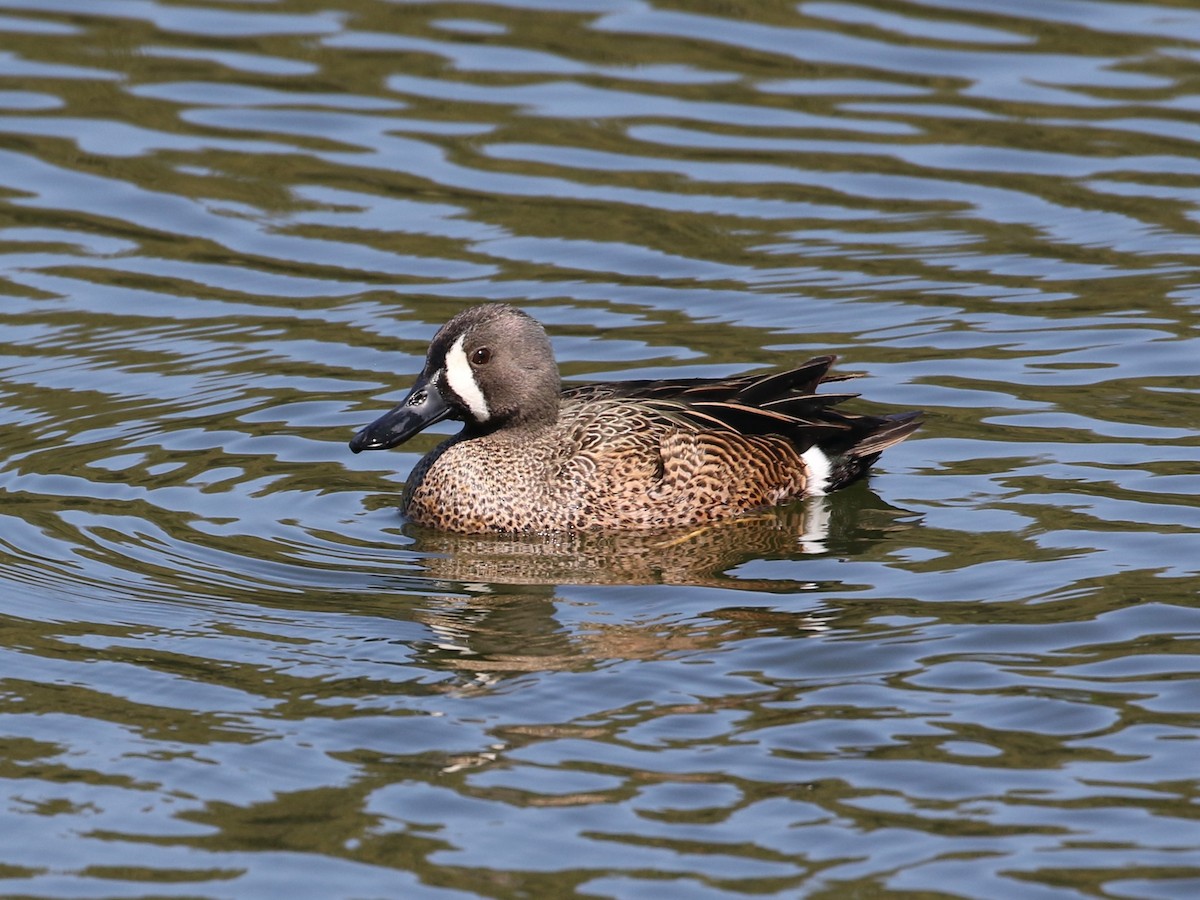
(634, 454)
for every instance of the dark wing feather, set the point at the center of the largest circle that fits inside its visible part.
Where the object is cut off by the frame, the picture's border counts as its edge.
(748, 390)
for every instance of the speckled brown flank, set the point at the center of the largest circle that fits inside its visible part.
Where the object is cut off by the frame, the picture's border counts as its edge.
(605, 464)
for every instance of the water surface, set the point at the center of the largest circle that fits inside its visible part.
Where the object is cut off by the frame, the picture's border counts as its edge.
(228, 669)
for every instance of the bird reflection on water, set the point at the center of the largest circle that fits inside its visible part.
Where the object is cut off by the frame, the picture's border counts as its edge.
(501, 617)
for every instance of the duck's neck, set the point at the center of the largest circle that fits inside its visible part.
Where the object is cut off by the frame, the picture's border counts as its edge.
(528, 419)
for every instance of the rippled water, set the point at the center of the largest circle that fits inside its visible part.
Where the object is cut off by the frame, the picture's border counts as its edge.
(229, 669)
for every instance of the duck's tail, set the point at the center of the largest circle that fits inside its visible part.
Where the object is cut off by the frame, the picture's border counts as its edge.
(844, 458)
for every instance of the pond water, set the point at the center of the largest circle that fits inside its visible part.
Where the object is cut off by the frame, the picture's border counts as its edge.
(229, 669)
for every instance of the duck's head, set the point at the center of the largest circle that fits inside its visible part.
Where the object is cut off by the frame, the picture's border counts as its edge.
(489, 367)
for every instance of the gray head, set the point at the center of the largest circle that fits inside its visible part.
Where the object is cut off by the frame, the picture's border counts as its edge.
(494, 366)
(490, 367)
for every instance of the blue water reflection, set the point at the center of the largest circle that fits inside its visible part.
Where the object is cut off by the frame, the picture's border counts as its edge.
(229, 669)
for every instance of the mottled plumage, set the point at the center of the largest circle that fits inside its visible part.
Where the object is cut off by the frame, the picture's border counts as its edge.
(634, 454)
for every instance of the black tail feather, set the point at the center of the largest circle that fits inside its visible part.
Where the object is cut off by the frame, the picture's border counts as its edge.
(874, 435)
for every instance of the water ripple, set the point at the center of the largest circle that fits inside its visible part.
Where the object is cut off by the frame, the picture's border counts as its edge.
(231, 669)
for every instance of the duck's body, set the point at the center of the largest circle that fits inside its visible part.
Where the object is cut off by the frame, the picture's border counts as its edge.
(644, 454)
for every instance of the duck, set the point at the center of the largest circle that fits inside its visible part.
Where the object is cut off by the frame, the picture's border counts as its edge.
(533, 456)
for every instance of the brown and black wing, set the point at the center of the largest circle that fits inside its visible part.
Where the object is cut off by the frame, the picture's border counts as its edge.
(784, 403)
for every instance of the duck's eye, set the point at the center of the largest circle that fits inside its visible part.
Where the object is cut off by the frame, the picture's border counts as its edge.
(481, 356)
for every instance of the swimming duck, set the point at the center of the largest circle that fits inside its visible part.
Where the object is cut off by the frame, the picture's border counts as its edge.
(533, 457)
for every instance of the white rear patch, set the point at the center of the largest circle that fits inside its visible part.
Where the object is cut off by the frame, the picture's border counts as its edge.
(816, 526)
(461, 380)
(819, 471)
